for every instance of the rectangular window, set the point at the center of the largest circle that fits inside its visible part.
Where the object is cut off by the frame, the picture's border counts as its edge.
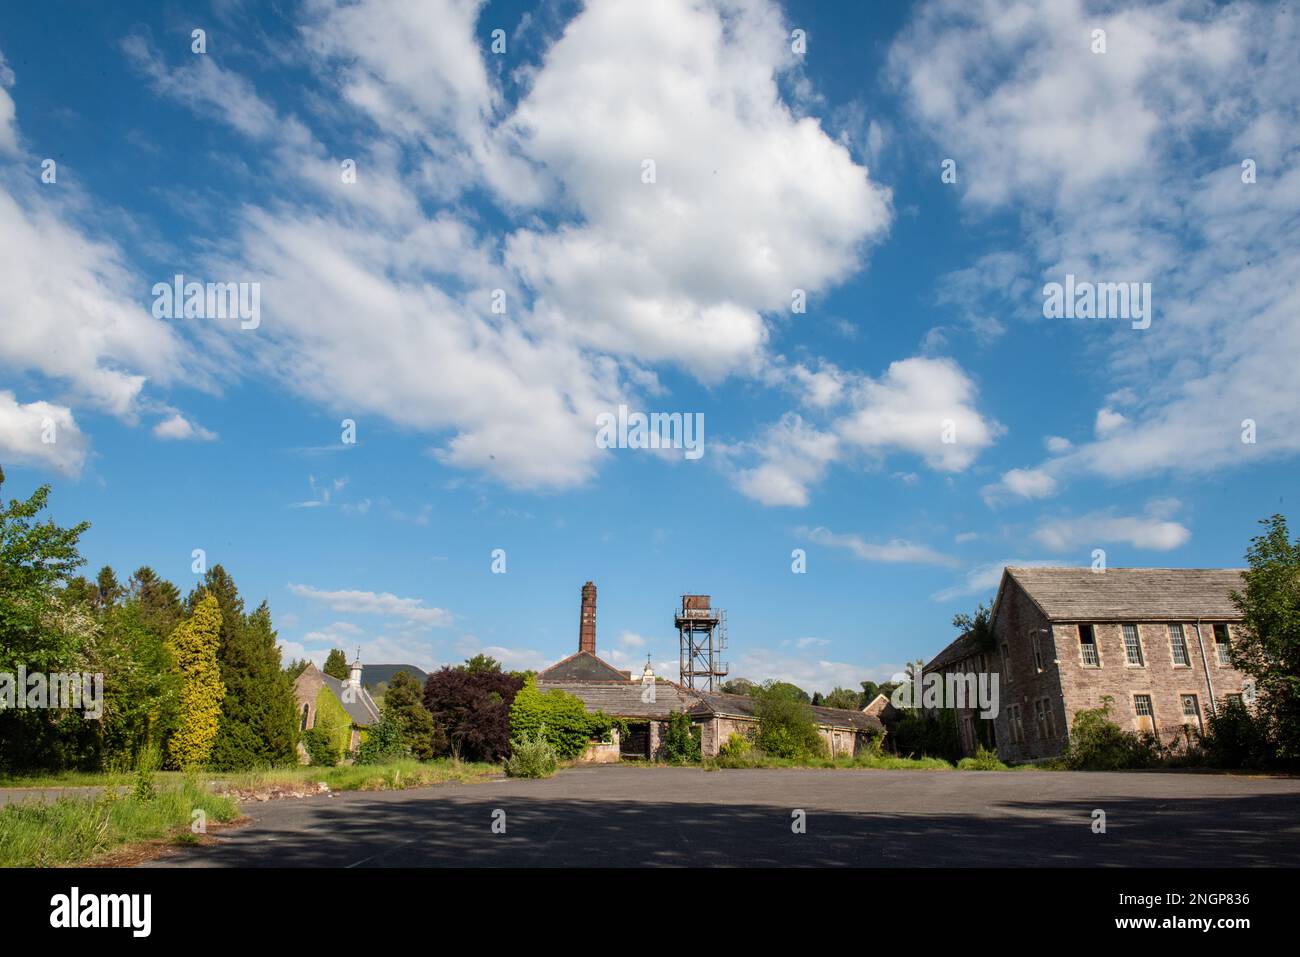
(1038, 654)
(1132, 645)
(1146, 716)
(1191, 711)
(1017, 727)
(1006, 661)
(1043, 718)
(1222, 645)
(1178, 642)
(1088, 645)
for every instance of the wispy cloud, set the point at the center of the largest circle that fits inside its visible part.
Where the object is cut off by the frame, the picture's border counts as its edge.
(411, 610)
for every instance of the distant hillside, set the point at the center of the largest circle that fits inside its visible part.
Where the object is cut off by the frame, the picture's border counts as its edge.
(375, 675)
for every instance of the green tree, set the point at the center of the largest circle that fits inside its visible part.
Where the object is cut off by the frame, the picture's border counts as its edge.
(336, 664)
(738, 686)
(557, 716)
(979, 626)
(786, 726)
(784, 689)
(259, 723)
(295, 667)
(402, 700)
(141, 685)
(159, 600)
(107, 588)
(1267, 647)
(481, 664)
(45, 627)
(869, 692)
(842, 698)
(37, 558)
(193, 647)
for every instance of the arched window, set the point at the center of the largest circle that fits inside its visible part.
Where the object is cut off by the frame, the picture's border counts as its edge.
(305, 709)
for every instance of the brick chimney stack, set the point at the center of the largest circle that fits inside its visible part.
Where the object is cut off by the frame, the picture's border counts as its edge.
(587, 621)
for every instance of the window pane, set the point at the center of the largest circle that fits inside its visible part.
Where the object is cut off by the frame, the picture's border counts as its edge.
(1132, 645)
(1179, 644)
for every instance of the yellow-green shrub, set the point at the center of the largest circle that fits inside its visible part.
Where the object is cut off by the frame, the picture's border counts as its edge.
(193, 646)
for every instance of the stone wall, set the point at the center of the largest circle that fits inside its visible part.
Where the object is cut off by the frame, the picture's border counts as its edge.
(1048, 697)
(1022, 683)
(1085, 686)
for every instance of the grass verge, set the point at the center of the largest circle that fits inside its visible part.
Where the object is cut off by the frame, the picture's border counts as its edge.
(393, 776)
(77, 830)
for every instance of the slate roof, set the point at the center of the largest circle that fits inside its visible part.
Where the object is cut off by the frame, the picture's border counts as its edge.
(739, 705)
(1131, 594)
(963, 646)
(583, 666)
(622, 699)
(361, 709)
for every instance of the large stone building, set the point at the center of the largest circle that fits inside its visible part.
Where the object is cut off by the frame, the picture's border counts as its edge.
(644, 703)
(1155, 641)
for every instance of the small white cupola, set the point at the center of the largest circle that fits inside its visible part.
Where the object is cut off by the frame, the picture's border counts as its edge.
(355, 678)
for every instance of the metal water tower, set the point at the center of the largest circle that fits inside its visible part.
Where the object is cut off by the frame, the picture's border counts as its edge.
(702, 636)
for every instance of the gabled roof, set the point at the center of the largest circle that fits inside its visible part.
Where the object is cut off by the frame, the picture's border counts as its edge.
(881, 707)
(1129, 594)
(361, 709)
(963, 646)
(582, 666)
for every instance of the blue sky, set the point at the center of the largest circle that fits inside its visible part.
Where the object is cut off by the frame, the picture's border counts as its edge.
(775, 170)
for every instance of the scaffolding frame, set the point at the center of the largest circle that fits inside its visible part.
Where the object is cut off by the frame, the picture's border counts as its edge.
(702, 637)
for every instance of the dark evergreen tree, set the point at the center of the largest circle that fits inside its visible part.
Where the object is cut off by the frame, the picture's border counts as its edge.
(258, 714)
(107, 588)
(336, 664)
(159, 599)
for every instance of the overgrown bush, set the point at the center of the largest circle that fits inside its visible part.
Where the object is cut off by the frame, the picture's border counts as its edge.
(532, 756)
(681, 744)
(786, 726)
(557, 716)
(385, 741)
(736, 746)
(320, 747)
(1098, 744)
(1236, 737)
